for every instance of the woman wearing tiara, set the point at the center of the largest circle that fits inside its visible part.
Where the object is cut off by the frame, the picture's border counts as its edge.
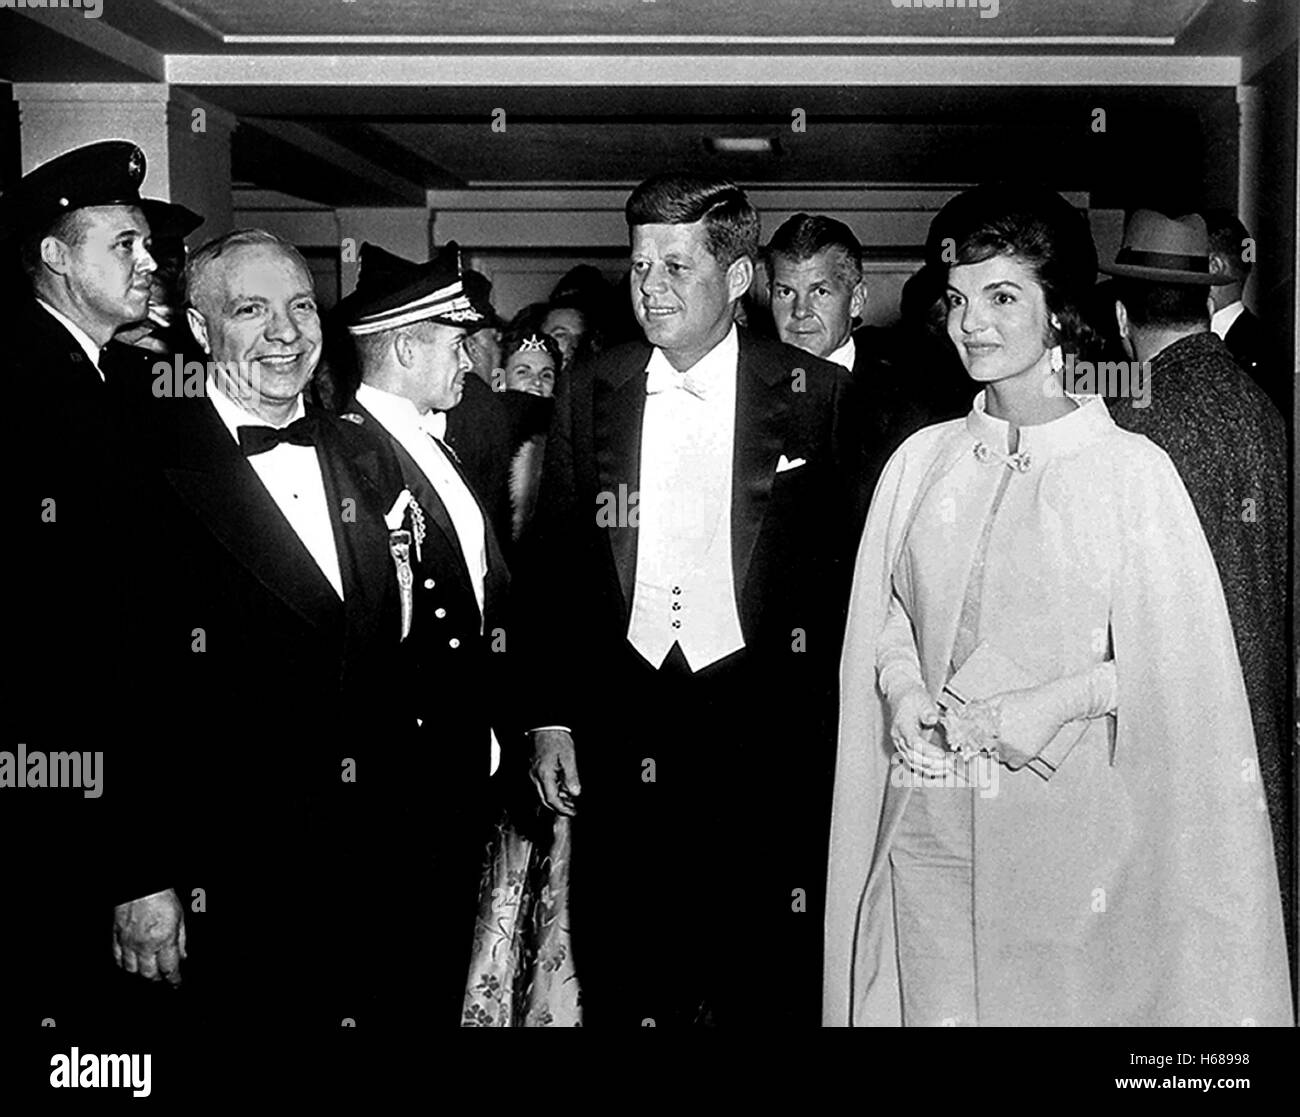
(532, 362)
(1047, 805)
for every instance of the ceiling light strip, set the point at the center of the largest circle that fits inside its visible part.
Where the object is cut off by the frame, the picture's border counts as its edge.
(631, 71)
(703, 40)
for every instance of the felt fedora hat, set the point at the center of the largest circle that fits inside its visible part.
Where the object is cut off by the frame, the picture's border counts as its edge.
(1165, 250)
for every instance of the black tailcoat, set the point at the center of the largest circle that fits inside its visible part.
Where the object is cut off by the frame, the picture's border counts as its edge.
(742, 751)
(1248, 342)
(905, 380)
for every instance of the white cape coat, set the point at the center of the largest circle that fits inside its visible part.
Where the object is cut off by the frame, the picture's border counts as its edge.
(1137, 887)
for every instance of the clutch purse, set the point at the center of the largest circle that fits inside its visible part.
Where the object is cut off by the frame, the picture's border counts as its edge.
(988, 672)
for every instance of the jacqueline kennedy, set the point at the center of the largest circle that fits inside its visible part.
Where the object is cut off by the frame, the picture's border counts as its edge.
(1118, 870)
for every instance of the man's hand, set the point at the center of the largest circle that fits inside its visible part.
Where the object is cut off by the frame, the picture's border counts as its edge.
(149, 936)
(553, 770)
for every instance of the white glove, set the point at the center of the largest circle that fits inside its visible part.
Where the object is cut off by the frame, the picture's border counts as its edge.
(912, 712)
(1016, 725)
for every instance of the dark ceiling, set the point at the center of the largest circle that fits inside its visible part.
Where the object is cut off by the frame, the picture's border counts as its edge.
(441, 136)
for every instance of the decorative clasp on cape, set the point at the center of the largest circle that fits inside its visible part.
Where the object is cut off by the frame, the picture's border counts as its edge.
(1019, 461)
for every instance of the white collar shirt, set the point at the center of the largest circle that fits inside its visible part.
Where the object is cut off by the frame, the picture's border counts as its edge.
(292, 475)
(845, 355)
(1223, 319)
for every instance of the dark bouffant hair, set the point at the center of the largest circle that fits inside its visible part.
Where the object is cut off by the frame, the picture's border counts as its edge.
(1038, 227)
(677, 198)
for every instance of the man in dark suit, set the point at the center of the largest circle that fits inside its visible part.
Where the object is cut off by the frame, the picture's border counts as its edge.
(479, 429)
(818, 293)
(685, 589)
(410, 323)
(1232, 256)
(275, 651)
(1229, 445)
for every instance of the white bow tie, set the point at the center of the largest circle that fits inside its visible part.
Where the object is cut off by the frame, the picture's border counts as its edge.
(662, 377)
(434, 423)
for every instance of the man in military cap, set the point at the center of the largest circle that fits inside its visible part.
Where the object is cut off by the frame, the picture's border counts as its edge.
(485, 427)
(410, 324)
(162, 331)
(83, 243)
(81, 238)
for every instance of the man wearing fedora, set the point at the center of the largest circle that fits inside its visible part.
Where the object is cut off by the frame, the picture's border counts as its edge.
(409, 323)
(1228, 442)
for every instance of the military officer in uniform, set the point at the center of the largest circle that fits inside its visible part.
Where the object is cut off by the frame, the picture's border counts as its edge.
(409, 323)
(77, 230)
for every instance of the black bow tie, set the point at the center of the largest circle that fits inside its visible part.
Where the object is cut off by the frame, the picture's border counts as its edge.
(257, 440)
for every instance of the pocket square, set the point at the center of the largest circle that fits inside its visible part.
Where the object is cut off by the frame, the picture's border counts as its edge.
(785, 463)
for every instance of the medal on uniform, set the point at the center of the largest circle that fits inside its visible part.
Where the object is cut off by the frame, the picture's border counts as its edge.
(399, 546)
(417, 526)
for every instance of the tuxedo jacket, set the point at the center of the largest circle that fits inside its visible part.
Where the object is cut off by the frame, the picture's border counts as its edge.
(1246, 341)
(793, 531)
(904, 382)
(1249, 345)
(257, 664)
(479, 430)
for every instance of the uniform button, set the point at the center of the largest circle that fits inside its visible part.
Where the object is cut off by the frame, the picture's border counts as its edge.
(677, 624)
(453, 643)
(676, 605)
(428, 583)
(677, 591)
(440, 613)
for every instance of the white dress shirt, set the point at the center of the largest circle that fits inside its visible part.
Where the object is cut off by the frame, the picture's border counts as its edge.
(292, 476)
(685, 587)
(1222, 320)
(82, 338)
(845, 355)
(398, 416)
